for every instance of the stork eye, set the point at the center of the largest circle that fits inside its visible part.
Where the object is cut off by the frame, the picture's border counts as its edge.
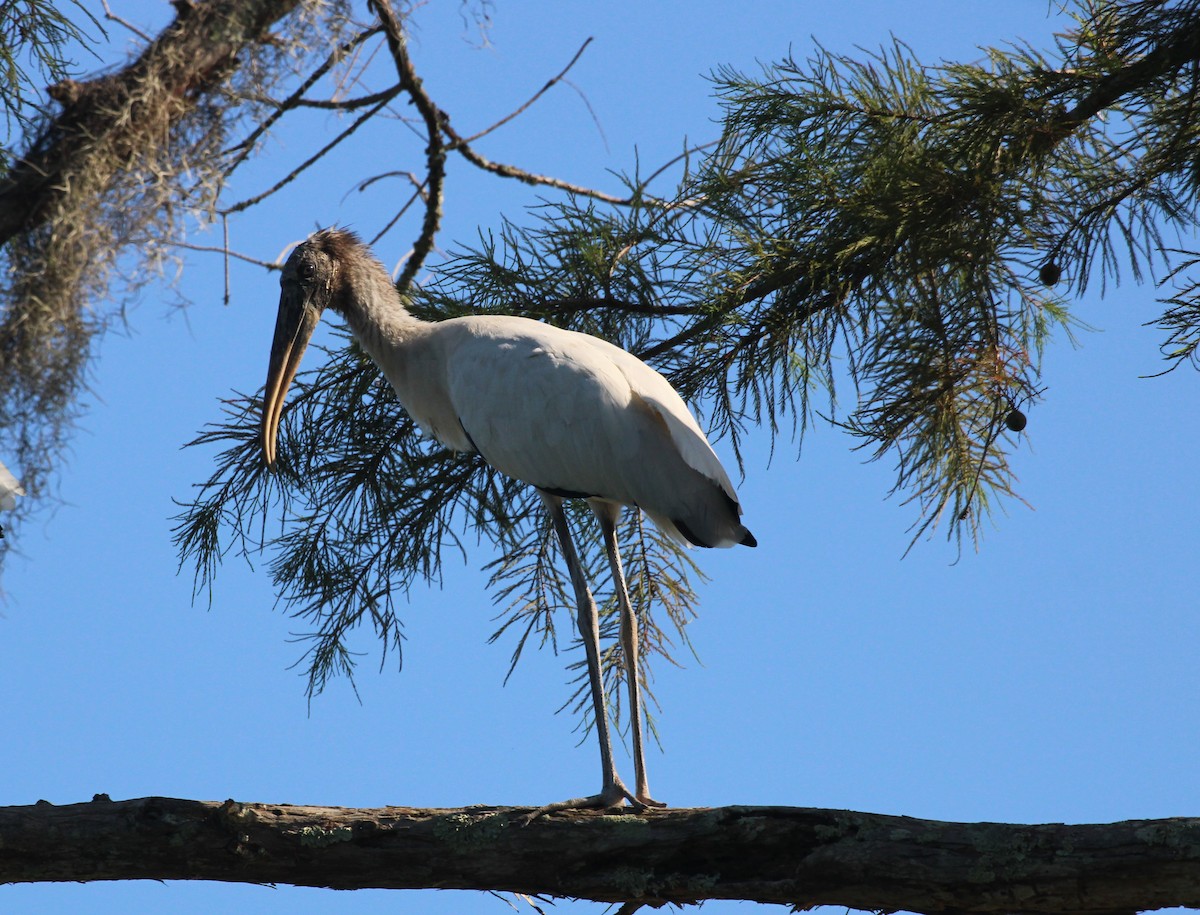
(307, 270)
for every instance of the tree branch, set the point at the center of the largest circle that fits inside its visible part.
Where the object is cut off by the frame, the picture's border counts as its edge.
(461, 146)
(296, 99)
(435, 154)
(312, 160)
(786, 855)
(196, 53)
(1179, 49)
(550, 83)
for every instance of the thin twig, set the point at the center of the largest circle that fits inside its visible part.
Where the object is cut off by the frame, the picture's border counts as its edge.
(418, 194)
(461, 146)
(292, 101)
(225, 240)
(667, 209)
(435, 156)
(588, 303)
(313, 159)
(349, 79)
(213, 249)
(109, 14)
(686, 154)
(367, 182)
(537, 95)
(353, 104)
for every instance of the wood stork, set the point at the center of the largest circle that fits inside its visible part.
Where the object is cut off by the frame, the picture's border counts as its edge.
(568, 413)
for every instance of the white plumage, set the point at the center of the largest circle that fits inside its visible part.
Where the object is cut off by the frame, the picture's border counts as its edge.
(10, 488)
(569, 413)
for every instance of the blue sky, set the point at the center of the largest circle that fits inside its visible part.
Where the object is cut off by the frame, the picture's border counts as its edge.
(1049, 677)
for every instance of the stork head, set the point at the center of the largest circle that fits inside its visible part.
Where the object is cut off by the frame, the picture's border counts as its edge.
(312, 280)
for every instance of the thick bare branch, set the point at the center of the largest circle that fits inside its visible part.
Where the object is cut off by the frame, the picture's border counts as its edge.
(435, 154)
(194, 54)
(789, 855)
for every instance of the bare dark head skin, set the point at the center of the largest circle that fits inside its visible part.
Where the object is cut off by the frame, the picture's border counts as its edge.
(309, 284)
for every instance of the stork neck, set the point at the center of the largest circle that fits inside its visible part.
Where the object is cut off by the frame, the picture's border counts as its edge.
(377, 316)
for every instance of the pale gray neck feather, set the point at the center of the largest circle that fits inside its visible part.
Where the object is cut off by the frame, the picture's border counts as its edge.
(374, 310)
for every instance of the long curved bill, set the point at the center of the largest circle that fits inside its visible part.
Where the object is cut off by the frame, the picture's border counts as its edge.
(294, 326)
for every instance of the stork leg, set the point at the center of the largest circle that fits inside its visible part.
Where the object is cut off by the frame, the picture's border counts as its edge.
(608, 514)
(613, 792)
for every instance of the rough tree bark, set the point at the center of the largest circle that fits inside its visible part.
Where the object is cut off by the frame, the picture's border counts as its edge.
(194, 55)
(790, 855)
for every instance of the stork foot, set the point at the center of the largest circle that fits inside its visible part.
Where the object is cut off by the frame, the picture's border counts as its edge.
(612, 795)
